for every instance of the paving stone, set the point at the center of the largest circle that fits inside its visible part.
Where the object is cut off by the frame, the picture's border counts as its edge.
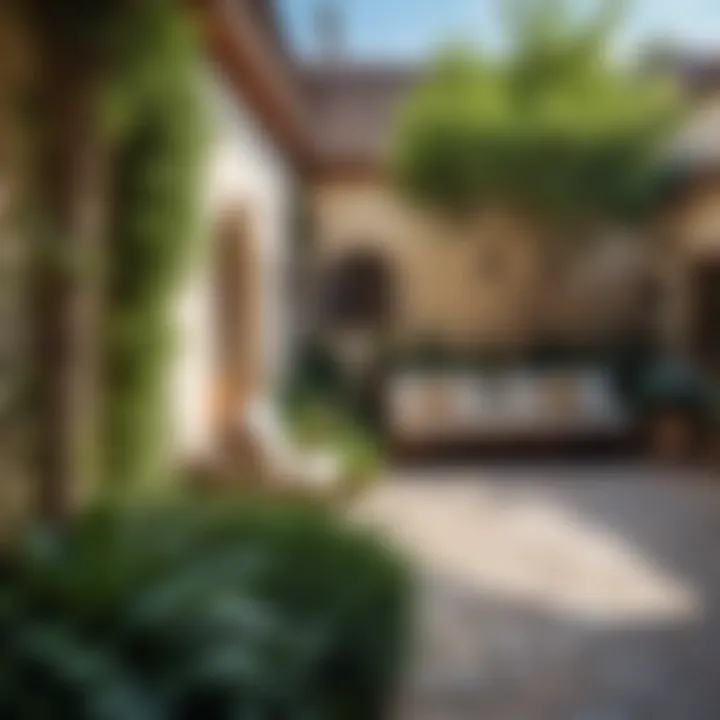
(566, 594)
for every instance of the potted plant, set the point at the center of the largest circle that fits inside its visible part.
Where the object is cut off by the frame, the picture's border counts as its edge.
(676, 405)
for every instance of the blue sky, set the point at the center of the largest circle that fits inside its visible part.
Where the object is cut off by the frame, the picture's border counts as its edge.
(408, 29)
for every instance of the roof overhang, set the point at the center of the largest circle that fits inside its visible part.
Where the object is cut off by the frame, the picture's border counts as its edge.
(258, 70)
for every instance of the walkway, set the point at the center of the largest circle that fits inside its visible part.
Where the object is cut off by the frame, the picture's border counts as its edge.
(561, 594)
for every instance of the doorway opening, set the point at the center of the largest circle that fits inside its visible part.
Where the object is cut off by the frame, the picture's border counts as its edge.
(235, 318)
(705, 283)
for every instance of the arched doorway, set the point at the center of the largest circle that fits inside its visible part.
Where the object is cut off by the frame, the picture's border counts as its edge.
(359, 292)
(705, 340)
(235, 315)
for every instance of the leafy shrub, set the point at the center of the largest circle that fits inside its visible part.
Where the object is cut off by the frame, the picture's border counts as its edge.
(676, 386)
(364, 455)
(318, 424)
(328, 410)
(201, 611)
(317, 374)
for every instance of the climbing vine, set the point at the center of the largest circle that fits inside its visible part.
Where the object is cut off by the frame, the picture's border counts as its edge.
(155, 108)
(116, 120)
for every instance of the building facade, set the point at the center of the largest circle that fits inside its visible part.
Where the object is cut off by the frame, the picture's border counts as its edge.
(380, 265)
(234, 313)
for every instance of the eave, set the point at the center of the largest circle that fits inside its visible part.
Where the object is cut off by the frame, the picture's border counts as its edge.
(258, 71)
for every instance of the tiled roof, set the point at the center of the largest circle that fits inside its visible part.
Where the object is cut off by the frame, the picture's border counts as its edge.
(353, 107)
(700, 74)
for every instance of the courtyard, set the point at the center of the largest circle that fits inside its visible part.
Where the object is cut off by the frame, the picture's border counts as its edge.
(553, 592)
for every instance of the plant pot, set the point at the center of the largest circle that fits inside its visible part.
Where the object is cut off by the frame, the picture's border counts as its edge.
(672, 435)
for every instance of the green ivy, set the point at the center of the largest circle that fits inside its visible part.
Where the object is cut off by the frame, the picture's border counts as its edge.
(155, 110)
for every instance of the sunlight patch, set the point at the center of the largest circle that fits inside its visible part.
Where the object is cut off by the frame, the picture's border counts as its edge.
(534, 551)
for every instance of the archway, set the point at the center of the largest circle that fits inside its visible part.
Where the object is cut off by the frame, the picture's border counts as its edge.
(236, 319)
(706, 313)
(359, 292)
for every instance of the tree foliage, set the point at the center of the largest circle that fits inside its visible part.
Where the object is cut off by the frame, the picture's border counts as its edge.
(553, 126)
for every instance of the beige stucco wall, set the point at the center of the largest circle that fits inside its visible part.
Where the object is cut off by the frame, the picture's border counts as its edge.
(697, 224)
(456, 282)
(484, 281)
(687, 229)
(692, 237)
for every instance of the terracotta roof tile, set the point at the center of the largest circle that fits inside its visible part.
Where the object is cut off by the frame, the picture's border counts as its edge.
(353, 108)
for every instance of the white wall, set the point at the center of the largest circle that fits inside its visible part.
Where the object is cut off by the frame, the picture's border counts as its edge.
(245, 169)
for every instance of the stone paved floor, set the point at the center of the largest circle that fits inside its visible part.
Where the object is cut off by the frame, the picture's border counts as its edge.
(560, 593)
